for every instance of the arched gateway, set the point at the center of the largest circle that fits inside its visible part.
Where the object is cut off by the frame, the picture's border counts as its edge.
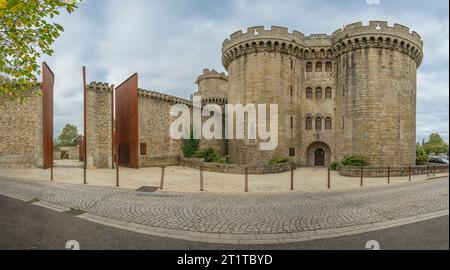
(318, 154)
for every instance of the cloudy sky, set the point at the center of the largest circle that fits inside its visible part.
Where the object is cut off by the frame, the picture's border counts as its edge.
(169, 43)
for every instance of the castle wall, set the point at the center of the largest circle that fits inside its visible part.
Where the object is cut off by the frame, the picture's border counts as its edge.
(213, 89)
(378, 106)
(317, 106)
(376, 96)
(21, 133)
(98, 126)
(373, 90)
(265, 78)
(370, 70)
(154, 133)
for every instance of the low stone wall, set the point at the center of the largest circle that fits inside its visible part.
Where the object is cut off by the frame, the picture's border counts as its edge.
(154, 161)
(233, 168)
(369, 171)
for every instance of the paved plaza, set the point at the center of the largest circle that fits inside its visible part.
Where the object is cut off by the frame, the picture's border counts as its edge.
(252, 217)
(184, 179)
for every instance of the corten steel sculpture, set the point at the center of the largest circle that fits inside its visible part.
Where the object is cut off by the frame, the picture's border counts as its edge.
(113, 154)
(48, 80)
(126, 124)
(84, 127)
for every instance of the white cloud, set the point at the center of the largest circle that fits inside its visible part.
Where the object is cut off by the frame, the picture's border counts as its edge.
(373, 2)
(169, 43)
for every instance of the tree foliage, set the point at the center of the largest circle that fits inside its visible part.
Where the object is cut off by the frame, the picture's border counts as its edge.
(421, 154)
(435, 144)
(278, 160)
(210, 155)
(354, 160)
(26, 34)
(190, 146)
(68, 137)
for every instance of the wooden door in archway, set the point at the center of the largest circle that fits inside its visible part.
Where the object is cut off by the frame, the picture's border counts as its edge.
(319, 157)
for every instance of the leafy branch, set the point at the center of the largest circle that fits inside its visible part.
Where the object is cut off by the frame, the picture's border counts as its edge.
(27, 33)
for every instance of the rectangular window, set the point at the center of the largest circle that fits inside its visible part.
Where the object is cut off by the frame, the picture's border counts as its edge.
(292, 122)
(292, 91)
(143, 149)
(292, 152)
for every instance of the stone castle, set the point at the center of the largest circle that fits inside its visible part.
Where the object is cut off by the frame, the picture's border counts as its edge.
(351, 92)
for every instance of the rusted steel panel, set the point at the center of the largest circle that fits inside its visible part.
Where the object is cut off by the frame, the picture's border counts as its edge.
(127, 133)
(81, 148)
(48, 80)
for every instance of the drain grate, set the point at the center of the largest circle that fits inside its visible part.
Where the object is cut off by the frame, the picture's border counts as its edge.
(147, 189)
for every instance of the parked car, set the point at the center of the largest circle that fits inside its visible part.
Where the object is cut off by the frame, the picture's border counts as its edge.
(438, 160)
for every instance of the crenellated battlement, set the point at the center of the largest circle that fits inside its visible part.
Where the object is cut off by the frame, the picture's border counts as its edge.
(211, 74)
(99, 86)
(378, 34)
(277, 39)
(163, 97)
(352, 36)
(102, 86)
(258, 32)
(376, 28)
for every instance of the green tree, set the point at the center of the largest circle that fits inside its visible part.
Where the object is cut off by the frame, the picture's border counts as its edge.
(190, 146)
(435, 144)
(354, 160)
(25, 35)
(421, 154)
(68, 137)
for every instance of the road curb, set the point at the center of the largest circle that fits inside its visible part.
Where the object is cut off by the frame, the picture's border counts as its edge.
(248, 239)
(51, 206)
(14, 196)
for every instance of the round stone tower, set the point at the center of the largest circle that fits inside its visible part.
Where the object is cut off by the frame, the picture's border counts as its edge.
(376, 92)
(213, 89)
(263, 67)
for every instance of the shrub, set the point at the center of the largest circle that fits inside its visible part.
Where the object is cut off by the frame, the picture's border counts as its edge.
(210, 155)
(190, 146)
(421, 155)
(334, 165)
(354, 160)
(278, 160)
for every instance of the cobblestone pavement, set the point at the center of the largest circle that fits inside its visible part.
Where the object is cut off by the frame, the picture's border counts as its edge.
(262, 213)
(183, 179)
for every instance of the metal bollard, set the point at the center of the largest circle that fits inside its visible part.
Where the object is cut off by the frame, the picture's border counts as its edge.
(329, 177)
(117, 174)
(434, 170)
(361, 173)
(389, 174)
(161, 185)
(409, 173)
(427, 171)
(201, 178)
(84, 175)
(292, 177)
(51, 173)
(246, 179)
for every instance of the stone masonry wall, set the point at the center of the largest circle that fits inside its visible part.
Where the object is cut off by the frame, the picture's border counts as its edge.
(21, 133)
(154, 129)
(98, 123)
(376, 97)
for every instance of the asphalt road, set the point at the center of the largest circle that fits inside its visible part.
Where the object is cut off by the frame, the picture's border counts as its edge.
(25, 226)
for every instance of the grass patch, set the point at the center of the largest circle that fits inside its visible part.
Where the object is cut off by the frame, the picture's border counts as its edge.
(75, 211)
(33, 200)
